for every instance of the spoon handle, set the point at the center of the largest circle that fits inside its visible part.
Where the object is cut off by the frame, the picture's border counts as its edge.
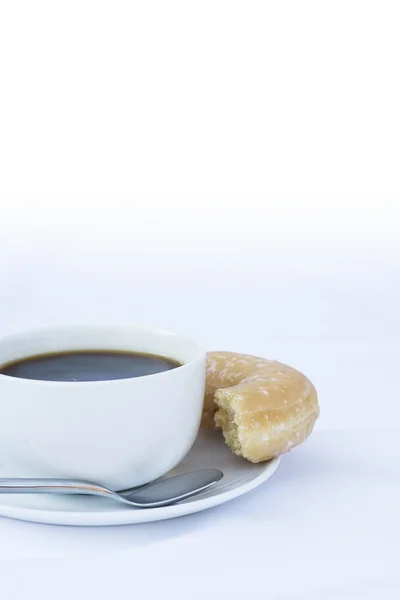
(50, 486)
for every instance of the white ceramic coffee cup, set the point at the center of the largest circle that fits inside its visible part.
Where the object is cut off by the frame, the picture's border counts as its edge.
(119, 433)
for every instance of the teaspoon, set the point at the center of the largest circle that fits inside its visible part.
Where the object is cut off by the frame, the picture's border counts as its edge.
(162, 492)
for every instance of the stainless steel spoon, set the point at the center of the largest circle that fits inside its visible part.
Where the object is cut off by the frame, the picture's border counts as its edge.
(162, 492)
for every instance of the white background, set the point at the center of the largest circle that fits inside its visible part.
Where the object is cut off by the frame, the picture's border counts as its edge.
(229, 169)
(314, 284)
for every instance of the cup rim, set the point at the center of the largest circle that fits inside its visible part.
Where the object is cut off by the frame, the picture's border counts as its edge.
(200, 351)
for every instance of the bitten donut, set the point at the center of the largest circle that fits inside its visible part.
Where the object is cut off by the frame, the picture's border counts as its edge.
(263, 407)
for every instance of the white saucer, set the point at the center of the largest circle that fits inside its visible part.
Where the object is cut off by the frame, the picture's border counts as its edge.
(209, 451)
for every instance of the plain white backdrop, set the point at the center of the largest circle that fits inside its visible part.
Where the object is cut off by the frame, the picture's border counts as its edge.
(311, 281)
(229, 169)
(218, 96)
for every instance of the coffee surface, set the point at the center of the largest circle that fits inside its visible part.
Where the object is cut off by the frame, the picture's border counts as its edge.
(88, 365)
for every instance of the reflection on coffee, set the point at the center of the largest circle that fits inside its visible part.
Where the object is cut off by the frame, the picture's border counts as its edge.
(88, 365)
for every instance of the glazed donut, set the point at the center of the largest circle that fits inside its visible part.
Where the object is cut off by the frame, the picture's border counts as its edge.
(263, 407)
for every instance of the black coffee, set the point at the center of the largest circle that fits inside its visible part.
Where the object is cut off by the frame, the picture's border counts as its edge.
(88, 365)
